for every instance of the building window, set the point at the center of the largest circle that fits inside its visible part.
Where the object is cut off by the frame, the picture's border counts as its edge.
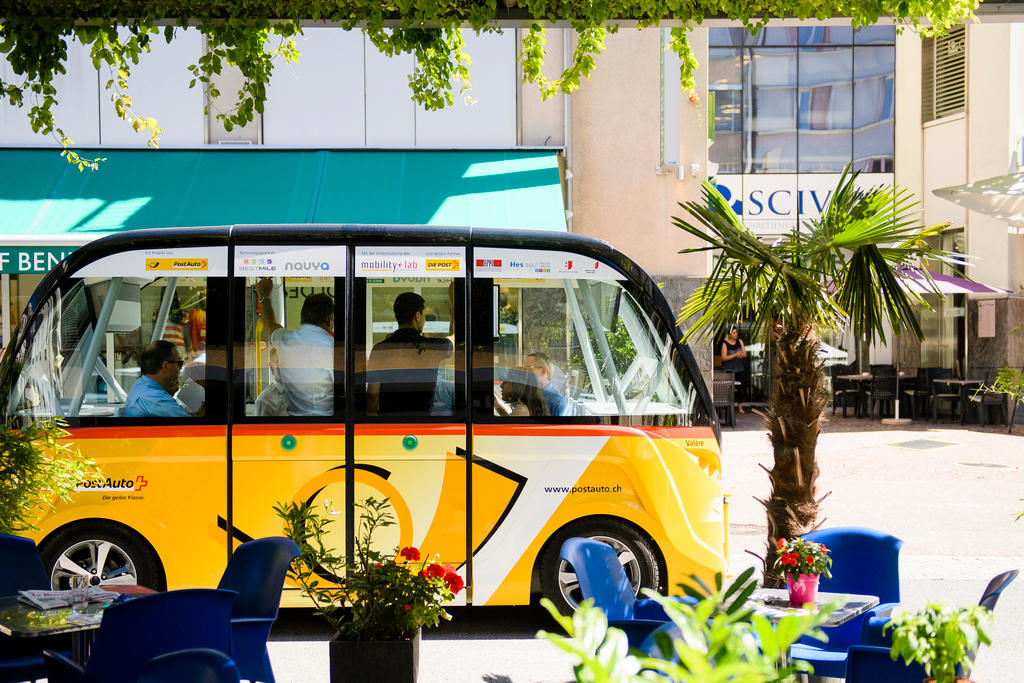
(802, 99)
(944, 75)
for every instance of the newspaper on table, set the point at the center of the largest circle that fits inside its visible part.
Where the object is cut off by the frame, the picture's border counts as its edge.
(41, 599)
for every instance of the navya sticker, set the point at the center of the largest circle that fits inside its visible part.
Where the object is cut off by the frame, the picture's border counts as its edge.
(532, 264)
(205, 261)
(410, 261)
(288, 261)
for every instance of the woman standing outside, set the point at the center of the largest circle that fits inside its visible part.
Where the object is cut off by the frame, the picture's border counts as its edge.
(733, 353)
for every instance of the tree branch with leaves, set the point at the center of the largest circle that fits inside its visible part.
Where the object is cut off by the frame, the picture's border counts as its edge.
(254, 35)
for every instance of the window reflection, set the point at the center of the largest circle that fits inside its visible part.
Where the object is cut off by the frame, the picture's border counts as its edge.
(783, 109)
(770, 77)
(825, 104)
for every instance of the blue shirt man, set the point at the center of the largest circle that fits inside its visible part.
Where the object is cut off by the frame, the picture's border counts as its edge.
(150, 396)
(540, 365)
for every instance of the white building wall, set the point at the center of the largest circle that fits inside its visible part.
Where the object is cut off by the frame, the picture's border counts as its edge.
(319, 100)
(77, 111)
(158, 87)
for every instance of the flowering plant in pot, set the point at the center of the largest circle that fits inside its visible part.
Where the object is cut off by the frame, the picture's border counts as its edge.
(802, 562)
(377, 600)
(943, 639)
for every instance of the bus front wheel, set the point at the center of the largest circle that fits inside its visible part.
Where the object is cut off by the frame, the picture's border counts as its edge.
(107, 553)
(635, 552)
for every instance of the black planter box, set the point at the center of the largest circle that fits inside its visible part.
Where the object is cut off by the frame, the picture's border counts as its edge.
(374, 661)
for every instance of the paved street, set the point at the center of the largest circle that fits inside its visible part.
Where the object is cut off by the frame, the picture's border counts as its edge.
(951, 494)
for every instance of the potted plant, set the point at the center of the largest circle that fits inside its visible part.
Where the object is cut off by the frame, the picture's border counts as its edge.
(943, 639)
(802, 562)
(39, 471)
(378, 602)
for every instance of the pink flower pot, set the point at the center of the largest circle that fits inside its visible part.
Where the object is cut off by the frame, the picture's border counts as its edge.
(802, 588)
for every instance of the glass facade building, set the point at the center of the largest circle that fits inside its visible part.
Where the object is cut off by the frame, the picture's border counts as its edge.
(802, 99)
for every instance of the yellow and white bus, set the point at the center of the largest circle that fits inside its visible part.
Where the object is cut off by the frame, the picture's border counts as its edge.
(623, 444)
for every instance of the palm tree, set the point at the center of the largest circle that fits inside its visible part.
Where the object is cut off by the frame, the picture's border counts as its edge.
(842, 268)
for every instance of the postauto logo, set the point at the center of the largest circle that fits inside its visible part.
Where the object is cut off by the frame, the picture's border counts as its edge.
(110, 484)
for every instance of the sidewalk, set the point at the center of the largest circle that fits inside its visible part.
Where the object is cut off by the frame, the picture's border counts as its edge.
(950, 493)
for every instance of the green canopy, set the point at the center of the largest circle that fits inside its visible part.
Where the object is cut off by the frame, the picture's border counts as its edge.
(41, 194)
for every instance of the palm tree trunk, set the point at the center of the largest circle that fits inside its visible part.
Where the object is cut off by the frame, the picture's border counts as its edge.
(796, 403)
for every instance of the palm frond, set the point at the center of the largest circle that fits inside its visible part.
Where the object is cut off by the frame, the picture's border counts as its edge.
(841, 266)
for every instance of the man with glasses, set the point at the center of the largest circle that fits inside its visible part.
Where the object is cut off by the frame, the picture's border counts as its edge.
(152, 395)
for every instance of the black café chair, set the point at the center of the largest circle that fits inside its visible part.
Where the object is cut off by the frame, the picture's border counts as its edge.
(845, 392)
(943, 392)
(920, 392)
(882, 393)
(724, 394)
(985, 400)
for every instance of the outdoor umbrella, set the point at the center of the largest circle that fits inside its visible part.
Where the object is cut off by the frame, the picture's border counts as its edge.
(916, 281)
(1001, 197)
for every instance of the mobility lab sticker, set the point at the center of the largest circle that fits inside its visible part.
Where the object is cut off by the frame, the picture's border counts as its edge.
(397, 262)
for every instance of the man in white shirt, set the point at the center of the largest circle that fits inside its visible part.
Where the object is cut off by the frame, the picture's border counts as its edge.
(306, 355)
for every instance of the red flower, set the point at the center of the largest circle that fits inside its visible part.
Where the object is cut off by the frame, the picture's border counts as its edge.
(453, 580)
(810, 560)
(410, 553)
(782, 543)
(435, 571)
(408, 607)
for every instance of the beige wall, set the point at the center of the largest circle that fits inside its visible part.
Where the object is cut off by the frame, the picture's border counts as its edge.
(619, 192)
(989, 144)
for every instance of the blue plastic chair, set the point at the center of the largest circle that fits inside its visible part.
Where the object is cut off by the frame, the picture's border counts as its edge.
(874, 632)
(134, 632)
(197, 665)
(650, 645)
(256, 572)
(866, 664)
(21, 569)
(866, 562)
(602, 578)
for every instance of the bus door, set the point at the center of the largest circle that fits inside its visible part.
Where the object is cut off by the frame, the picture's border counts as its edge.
(288, 433)
(410, 407)
(89, 358)
(565, 363)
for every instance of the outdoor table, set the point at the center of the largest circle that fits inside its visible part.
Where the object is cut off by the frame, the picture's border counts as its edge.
(775, 604)
(20, 620)
(964, 385)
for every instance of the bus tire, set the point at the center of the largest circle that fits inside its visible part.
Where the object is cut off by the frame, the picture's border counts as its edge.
(112, 554)
(635, 551)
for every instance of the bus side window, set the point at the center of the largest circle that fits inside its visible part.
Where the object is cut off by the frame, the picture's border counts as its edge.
(576, 346)
(115, 347)
(292, 366)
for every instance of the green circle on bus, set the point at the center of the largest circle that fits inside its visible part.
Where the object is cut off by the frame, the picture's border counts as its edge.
(410, 442)
(289, 442)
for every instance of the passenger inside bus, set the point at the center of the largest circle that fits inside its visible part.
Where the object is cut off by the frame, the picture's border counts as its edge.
(305, 355)
(520, 391)
(402, 370)
(540, 365)
(152, 394)
(273, 400)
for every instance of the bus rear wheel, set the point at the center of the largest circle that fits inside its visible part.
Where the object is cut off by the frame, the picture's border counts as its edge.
(108, 554)
(636, 554)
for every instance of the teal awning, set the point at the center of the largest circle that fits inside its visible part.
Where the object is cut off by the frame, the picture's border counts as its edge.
(42, 195)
